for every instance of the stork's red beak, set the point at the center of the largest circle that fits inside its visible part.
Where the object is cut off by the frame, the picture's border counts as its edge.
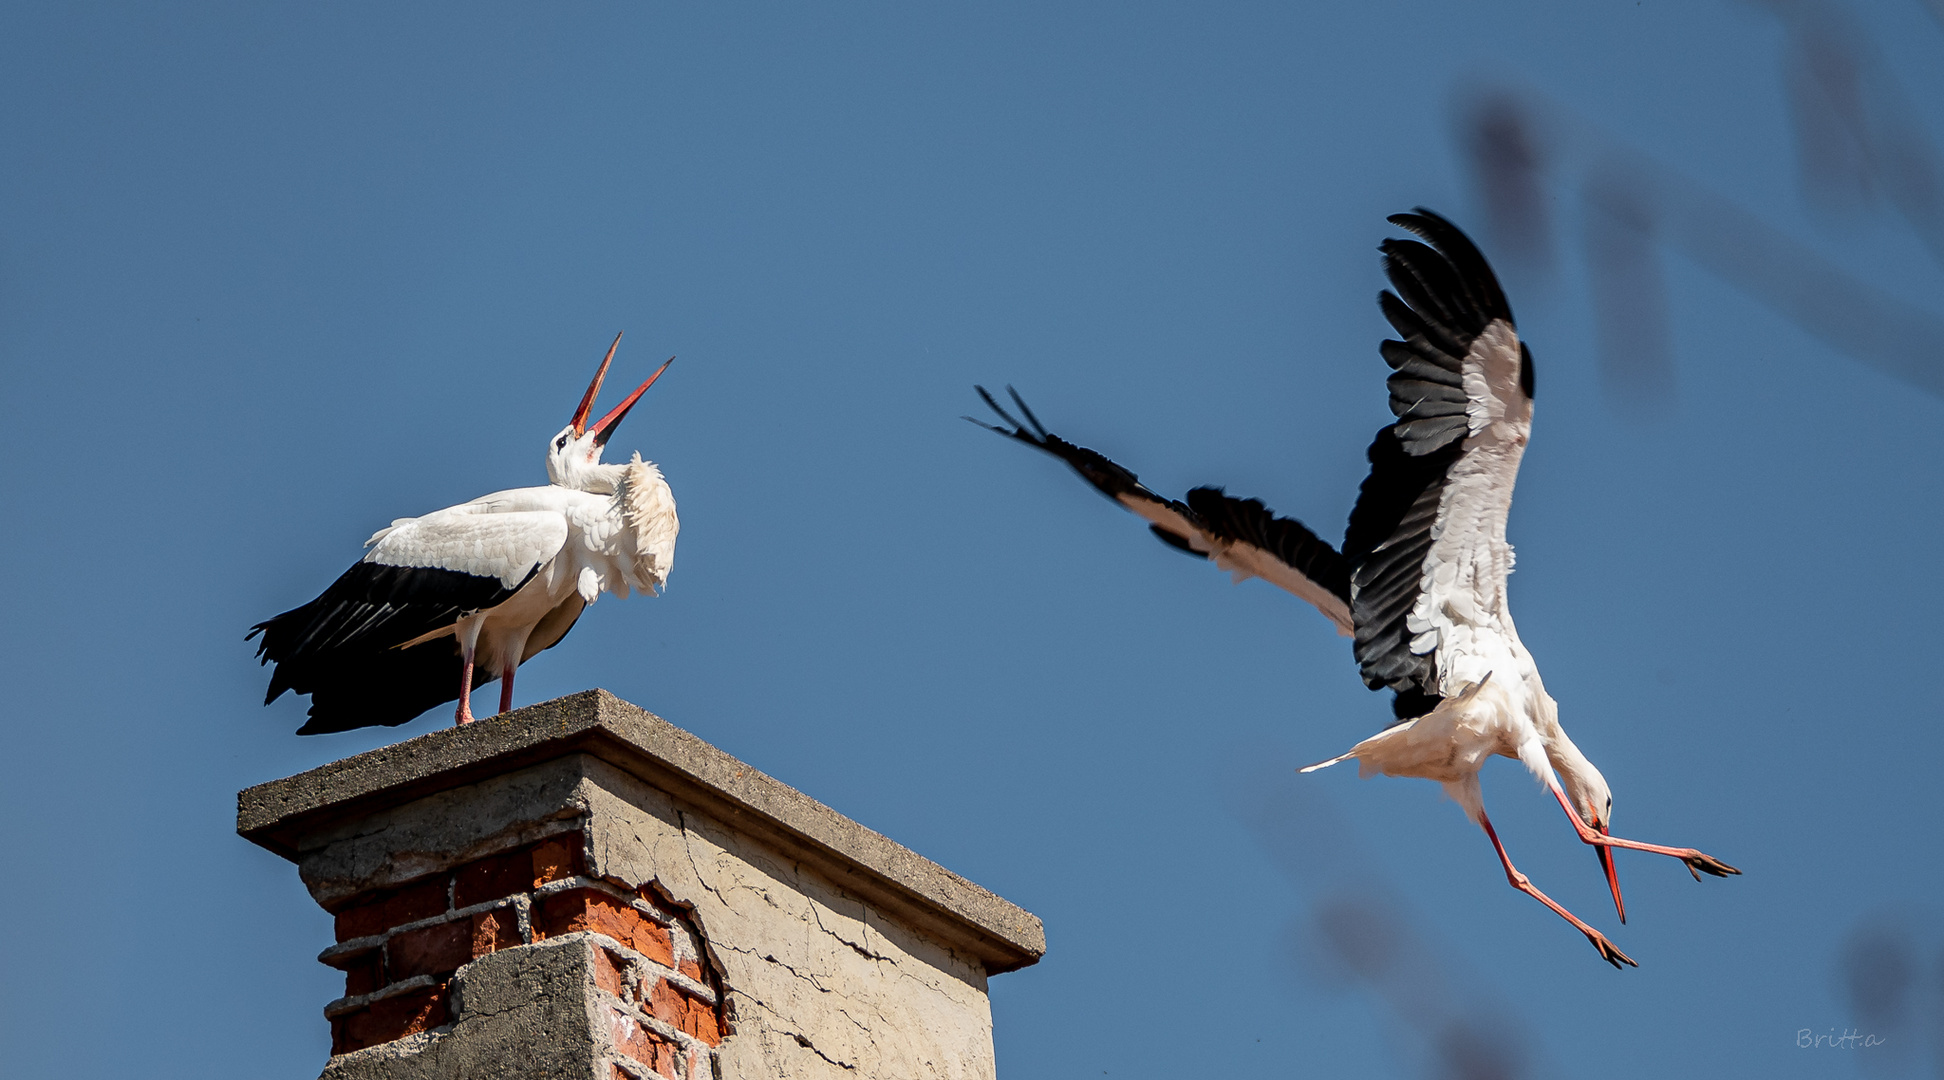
(1612, 876)
(594, 389)
(604, 427)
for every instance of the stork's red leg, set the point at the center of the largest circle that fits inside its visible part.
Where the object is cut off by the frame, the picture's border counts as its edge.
(506, 688)
(465, 715)
(1697, 862)
(1524, 884)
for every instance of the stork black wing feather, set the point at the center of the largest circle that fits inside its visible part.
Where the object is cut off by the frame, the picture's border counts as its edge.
(386, 689)
(1179, 543)
(1240, 535)
(1474, 273)
(1289, 540)
(1445, 297)
(1105, 475)
(341, 648)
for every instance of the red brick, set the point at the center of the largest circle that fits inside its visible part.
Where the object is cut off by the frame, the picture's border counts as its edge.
(682, 1011)
(431, 950)
(646, 1047)
(492, 879)
(494, 930)
(703, 1023)
(690, 968)
(364, 975)
(607, 971)
(557, 858)
(654, 899)
(392, 908)
(589, 909)
(664, 1002)
(392, 1018)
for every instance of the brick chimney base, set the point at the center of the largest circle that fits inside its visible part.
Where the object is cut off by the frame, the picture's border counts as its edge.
(579, 889)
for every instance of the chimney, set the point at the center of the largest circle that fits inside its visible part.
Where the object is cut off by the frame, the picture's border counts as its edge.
(581, 889)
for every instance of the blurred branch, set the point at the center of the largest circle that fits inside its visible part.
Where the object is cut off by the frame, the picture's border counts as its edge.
(1629, 294)
(1632, 204)
(1857, 136)
(1507, 159)
(1849, 316)
(1360, 930)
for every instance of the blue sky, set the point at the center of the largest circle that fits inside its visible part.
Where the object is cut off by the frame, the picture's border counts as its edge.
(271, 277)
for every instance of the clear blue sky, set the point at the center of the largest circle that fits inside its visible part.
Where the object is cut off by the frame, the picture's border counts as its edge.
(273, 276)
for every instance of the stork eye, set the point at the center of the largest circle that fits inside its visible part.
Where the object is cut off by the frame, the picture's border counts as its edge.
(560, 443)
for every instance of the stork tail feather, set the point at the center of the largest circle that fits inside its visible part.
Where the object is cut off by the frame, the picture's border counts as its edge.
(1327, 764)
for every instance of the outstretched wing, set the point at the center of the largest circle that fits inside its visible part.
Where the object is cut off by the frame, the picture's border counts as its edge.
(1426, 540)
(420, 576)
(1241, 536)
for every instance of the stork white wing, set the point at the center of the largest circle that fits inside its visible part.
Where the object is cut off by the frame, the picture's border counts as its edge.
(1427, 538)
(506, 546)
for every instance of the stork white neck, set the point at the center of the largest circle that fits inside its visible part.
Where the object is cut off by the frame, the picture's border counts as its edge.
(1585, 787)
(574, 461)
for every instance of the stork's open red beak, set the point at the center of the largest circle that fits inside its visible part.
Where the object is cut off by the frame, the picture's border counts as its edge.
(1612, 876)
(604, 427)
(594, 389)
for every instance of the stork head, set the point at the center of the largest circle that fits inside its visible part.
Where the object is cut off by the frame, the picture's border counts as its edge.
(574, 456)
(1592, 800)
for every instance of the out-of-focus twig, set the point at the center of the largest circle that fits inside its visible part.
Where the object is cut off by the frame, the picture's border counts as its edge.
(1506, 154)
(1633, 202)
(1858, 137)
(1629, 295)
(1360, 930)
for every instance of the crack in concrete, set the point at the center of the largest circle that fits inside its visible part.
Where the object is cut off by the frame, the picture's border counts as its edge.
(772, 959)
(688, 835)
(812, 1047)
(861, 950)
(787, 1029)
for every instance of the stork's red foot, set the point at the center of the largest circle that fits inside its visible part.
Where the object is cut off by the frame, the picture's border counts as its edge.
(1524, 884)
(1706, 864)
(1608, 951)
(1698, 862)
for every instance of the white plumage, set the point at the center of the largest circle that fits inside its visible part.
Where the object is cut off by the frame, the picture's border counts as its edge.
(1420, 582)
(446, 601)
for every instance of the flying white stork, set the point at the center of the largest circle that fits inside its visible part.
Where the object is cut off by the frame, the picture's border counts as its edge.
(461, 596)
(1419, 584)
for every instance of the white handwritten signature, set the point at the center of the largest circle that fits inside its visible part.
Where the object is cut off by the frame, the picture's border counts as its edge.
(1850, 1039)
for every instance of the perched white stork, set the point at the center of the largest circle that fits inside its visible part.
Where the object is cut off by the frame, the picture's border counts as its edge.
(1419, 584)
(461, 596)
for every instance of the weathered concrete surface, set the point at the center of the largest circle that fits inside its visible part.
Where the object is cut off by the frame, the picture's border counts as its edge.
(820, 984)
(839, 953)
(530, 1013)
(277, 814)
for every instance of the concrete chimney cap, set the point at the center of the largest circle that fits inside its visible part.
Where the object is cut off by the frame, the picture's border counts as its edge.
(594, 722)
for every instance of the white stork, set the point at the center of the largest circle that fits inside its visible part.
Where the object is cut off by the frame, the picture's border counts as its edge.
(1419, 584)
(461, 596)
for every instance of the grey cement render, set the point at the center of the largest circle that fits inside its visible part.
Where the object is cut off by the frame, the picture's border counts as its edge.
(1003, 935)
(531, 1013)
(840, 953)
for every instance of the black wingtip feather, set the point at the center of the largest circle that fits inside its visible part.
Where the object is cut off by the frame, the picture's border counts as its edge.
(994, 406)
(1028, 410)
(1454, 245)
(1179, 543)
